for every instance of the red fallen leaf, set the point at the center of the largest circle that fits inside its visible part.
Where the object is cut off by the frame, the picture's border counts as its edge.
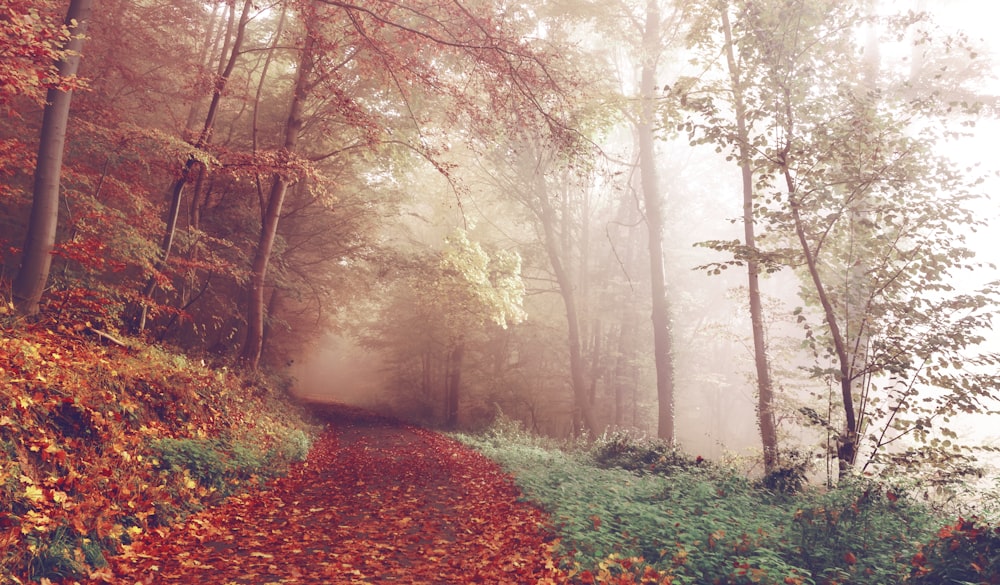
(596, 521)
(849, 558)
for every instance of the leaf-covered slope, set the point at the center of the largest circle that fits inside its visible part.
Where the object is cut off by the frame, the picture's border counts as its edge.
(100, 444)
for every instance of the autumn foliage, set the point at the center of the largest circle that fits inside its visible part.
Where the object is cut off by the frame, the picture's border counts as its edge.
(79, 422)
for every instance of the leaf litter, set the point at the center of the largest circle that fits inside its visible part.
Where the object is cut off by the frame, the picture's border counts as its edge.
(376, 501)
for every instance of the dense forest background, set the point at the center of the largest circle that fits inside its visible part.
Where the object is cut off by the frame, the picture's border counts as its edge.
(743, 227)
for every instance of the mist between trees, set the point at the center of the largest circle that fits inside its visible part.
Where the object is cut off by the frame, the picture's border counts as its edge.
(747, 228)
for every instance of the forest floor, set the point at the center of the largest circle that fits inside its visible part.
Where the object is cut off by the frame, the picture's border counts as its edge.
(375, 502)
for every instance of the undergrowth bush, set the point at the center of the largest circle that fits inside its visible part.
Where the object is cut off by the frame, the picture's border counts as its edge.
(641, 454)
(967, 551)
(634, 507)
(223, 463)
(210, 462)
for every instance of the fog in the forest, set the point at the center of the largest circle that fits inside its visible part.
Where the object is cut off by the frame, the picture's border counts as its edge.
(403, 361)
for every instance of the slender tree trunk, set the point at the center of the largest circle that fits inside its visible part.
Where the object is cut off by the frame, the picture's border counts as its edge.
(653, 202)
(565, 282)
(177, 190)
(253, 345)
(595, 362)
(765, 391)
(847, 447)
(41, 236)
(454, 384)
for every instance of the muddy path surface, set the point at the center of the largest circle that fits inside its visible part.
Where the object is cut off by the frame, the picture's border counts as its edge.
(376, 502)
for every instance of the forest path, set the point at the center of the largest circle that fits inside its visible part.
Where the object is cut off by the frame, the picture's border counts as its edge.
(376, 502)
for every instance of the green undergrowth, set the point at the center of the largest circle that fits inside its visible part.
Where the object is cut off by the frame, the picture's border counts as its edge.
(101, 444)
(634, 511)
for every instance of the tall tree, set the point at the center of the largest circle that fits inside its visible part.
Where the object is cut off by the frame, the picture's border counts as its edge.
(40, 239)
(379, 65)
(280, 181)
(197, 158)
(737, 135)
(653, 207)
(853, 178)
(530, 173)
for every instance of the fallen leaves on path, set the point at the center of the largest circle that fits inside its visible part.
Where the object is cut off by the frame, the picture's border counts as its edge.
(376, 502)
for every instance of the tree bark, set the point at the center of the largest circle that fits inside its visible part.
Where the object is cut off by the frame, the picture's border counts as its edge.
(765, 390)
(653, 202)
(250, 355)
(40, 239)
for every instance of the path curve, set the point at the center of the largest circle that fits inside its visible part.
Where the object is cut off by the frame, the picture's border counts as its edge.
(376, 502)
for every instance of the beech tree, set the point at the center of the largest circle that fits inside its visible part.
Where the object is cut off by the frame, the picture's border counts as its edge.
(529, 172)
(402, 53)
(652, 197)
(198, 157)
(275, 200)
(40, 239)
(471, 289)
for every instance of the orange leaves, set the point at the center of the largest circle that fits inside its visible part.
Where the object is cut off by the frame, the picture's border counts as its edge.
(595, 521)
(76, 419)
(374, 502)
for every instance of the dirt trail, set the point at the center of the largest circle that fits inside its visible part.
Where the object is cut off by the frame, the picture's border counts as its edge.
(376, 502)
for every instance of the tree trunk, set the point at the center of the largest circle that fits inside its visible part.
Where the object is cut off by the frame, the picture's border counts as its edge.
(453, 385)
(765, 391)
(653, 202)
(847, 443)
(41, 236)
(576, 362)
(595, 362)
(253, 345)
(203, 139)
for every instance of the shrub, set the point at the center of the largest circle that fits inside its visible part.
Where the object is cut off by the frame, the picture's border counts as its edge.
(683, 521)
(859, 530)
(214, 463)
(295, 446)
(624, 451)
(54, 555)
(965, 552)
(202, 457)
(789, 477)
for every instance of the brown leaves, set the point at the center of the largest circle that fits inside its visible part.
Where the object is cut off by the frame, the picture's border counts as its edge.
(376, 502)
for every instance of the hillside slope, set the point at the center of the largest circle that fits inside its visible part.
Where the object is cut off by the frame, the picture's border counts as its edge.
(101, 443)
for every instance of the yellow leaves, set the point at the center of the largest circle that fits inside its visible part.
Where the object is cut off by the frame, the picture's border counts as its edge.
(34, 521)
(34, 493)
